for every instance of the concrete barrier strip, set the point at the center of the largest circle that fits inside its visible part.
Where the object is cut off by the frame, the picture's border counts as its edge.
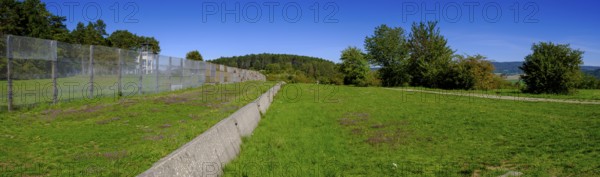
(208, 153)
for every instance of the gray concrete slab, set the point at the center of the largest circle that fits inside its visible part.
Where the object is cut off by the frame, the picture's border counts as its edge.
(208, 153)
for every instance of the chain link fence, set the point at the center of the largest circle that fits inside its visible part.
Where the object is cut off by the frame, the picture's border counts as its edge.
(34, 71)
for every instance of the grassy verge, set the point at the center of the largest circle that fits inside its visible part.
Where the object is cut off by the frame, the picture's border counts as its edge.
(348, 131)
(104, 137)
(581, 94)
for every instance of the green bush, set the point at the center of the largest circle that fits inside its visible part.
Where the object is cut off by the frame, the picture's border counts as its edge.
(552, 68)
(588, 82)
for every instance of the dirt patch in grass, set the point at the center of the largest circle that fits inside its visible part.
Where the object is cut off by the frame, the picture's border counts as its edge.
(347, 121)
(5, 165)
(125, 103)
(173, 100)
(353, 118)
(379, 137)
(229, 108)
(155, 110)
(357, 131)
(89, 109)
(194, 116)
(375, 133)
(154, 137)
(112, 155)
(378, 125)
(178, 98)
(390, 137)
(51, 114)
(106, 121)
(115, 155)
(166, 126)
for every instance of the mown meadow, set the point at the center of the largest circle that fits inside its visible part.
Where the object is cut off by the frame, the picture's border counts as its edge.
(315, 130)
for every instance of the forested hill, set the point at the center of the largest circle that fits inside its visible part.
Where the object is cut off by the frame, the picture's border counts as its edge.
(285, 66)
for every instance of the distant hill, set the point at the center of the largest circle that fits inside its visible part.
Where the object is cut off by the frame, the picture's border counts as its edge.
(595, 73)
(590, 68)
(512, 68)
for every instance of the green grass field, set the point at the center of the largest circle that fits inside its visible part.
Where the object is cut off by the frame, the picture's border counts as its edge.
(104, 137)
(349, 131)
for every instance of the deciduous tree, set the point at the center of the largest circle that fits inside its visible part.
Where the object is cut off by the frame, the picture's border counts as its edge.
(354, 66)
(430, 56)
(194, 55)
(387, 49)
(552, 68)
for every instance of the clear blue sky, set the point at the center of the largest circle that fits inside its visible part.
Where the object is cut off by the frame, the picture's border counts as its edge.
(291, 27)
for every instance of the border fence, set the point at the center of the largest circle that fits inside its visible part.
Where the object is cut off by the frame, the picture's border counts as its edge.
(36, 70)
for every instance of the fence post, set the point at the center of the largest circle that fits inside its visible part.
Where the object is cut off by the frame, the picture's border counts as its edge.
(83, 71)
(169, 73)
(91, 69)
(120, 70)
(8, 74)
(157, 86)
(182, 72)
(53, 45)
(206, 72)
(199, 72)
(141, 70)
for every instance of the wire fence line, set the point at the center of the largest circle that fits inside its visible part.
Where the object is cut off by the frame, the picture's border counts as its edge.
(36, 70)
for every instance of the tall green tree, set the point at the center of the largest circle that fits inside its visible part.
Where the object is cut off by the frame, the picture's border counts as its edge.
(127, 40)
(354, 66)
(387, 49)
(31, 18)
(90, 34)
(552, 68)
(430, 56)
(11, 17)
(124, 39)
(194, 55)
(78, 34)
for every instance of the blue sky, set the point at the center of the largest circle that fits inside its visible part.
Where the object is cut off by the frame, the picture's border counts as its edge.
(501, 30)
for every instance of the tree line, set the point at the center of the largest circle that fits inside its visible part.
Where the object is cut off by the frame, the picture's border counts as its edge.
(284, 67)
(423, 58)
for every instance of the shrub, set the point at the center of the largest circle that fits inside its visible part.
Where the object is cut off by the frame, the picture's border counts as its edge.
(552, 68)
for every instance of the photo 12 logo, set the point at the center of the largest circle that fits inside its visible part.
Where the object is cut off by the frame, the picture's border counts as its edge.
(472, 11)
(121, 12)
(270, 11)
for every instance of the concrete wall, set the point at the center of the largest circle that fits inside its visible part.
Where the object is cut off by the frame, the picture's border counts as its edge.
(207, 154)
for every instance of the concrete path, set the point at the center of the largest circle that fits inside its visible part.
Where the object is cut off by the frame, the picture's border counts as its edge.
(500, 97)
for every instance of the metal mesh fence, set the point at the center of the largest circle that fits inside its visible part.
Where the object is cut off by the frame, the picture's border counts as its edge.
(36, 71)
(31, 48)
